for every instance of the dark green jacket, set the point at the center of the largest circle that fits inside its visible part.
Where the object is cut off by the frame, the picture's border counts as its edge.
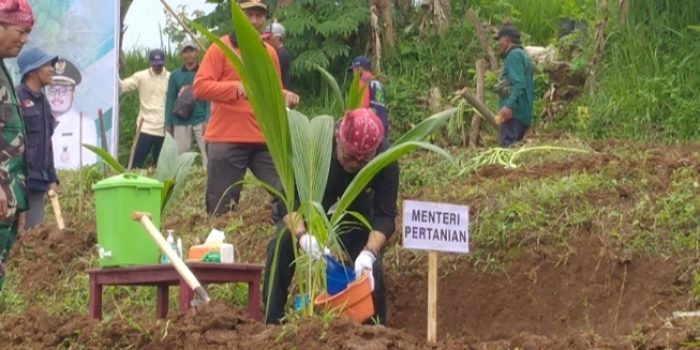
(179, 78)
(519, 71)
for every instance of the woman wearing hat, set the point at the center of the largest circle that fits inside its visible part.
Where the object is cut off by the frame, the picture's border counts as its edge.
(36, 68)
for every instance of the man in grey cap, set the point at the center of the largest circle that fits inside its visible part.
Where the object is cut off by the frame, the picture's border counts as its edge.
(73, 127)
(274, 35)
(36, 68)
(184, 115)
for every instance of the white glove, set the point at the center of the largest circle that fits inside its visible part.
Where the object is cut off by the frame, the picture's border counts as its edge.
(310, 246)
(364, 263)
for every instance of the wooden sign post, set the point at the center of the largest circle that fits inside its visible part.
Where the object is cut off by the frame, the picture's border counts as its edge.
(435, 227)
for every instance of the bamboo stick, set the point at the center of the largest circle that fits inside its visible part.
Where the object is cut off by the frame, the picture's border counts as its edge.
(476, 121)
(478, 105)
(183, 24)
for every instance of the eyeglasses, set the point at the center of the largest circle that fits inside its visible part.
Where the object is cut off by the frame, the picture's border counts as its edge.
(59, 91)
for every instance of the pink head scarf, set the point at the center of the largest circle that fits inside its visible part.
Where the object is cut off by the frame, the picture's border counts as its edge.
(361, 132)
(17, 12)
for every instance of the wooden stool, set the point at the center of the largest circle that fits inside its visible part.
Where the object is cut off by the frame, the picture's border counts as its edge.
(162, 276)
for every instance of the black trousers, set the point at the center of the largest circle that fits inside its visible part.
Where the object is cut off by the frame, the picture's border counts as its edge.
(227, 164)
(511, 132)
(276, 288)
(145, 144)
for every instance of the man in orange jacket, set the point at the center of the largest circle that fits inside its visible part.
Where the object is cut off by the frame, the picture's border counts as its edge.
(233, 136)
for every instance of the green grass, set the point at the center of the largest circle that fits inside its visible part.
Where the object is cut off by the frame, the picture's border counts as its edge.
(516, 214)
(512, 213)
(538, 20)
(647, 82)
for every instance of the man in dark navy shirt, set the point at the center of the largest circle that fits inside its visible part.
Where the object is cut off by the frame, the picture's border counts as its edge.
(36, 68)
(274, 35)
(375, 93)
(358, 139)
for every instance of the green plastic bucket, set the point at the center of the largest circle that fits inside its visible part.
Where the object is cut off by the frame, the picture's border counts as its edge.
(122, 241)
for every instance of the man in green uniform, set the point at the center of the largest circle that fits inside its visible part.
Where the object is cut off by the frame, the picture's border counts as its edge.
(16, 21)
(182, 120)
(516, 88)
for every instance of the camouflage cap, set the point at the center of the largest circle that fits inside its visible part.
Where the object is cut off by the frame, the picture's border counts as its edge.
(249, 4)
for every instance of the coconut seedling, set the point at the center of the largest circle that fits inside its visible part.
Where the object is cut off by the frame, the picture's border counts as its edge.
(301, 149)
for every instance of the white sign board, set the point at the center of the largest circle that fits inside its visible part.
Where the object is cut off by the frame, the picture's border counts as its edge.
(435, 226)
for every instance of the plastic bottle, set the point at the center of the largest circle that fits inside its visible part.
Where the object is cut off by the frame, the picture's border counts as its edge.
(227, 253)
(179, 248)
(171, 242)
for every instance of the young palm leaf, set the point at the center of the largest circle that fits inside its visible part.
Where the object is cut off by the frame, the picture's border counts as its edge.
(166, 167)
(356, 95)
(335, 88)
(184, 164)
(312, 156)
(107, 158)
(428, 126)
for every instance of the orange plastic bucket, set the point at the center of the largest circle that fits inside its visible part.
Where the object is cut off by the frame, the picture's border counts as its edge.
(354, 302)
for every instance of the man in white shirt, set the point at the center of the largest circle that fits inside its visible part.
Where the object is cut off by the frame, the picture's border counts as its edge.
(152, 85)
(74, 128)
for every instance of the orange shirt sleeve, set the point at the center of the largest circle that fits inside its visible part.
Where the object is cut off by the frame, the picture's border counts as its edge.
(210, 83)
(365, 98)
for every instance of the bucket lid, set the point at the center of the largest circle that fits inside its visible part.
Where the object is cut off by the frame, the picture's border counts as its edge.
(127, 180)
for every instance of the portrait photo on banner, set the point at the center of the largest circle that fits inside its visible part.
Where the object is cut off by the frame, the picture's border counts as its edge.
(84, 90)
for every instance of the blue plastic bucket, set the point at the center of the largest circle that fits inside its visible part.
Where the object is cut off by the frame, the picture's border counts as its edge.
(337, 276)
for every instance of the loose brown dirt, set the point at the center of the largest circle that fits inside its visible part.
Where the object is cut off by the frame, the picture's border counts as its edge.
(585, 294)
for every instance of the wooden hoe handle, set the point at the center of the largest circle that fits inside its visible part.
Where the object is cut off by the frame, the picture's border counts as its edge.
(182, 269)
(56, 209)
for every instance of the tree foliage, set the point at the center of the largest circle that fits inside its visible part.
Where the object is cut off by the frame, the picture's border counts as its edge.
(173, 29)
(321, 32)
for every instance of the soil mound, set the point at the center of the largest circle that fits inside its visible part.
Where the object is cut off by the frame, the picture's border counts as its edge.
(217, 326)
(587, 289)
(43, 254)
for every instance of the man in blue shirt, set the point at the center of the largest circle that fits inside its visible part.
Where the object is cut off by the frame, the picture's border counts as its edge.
(36, 68)
(375, 95)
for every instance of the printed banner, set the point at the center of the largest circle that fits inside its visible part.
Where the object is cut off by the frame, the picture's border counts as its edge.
(84, 95)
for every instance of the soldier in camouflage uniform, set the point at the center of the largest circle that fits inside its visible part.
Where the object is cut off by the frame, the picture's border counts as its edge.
(16, 21)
